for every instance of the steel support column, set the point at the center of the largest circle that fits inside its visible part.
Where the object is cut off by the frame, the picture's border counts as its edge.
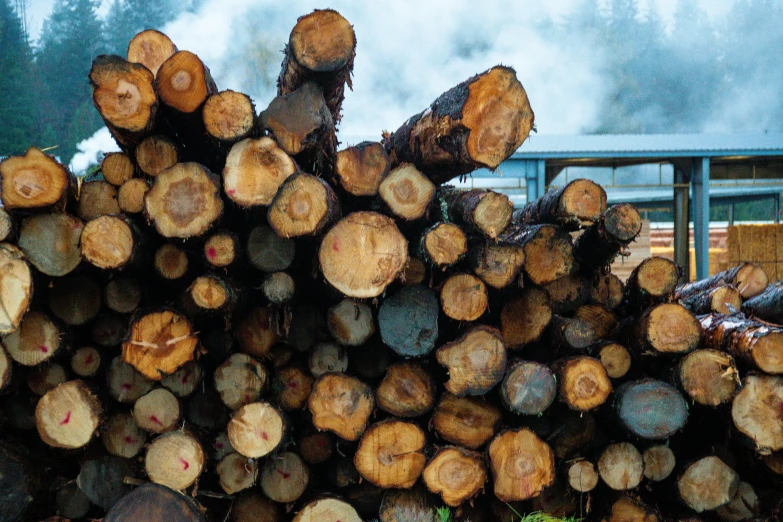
(535, 174)
(701, 215)
(681, 200)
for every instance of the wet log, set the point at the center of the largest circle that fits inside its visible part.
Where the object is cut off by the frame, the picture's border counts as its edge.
(158, 343)
(650, 409)
(578, 204)
(548, 251)
(768, 305)
(755, 343)
(484, 211)
(408, 321)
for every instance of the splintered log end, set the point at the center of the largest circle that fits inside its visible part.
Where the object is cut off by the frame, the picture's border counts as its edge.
(341, 404)
(183, 82)
(756, 409)
(407, 192)
(117, 168)
(304, 206)
(707, 484)
(174, 460)
(407, 390)
(236, 473)
(34, 180)
(465, 421)
(455, 474)
(229, 116)
(621, 466)
(16, 288)
(476, 361)
(751, 280)
(150, 48)
(524, 318)
(528, 388)
(444, 244)
(390, 454)
(584, 384)
(651, 409)
(464, 297)
(352, 263)
(284, 478)
(254, 170)
(108, 242)
(522, 465)
(256, 429)
(155, 154)
(327, 510)
(670, 329)
(709, 377)
(361, 169)
(159, 343)
(68, 415)
(155, 503)
(184, 201)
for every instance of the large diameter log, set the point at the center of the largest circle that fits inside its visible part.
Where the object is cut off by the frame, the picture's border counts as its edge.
(229, 116)
(341, 404)
(549, 253)
(254, 170)
(159, 343)
(707, 484)
(51, 242)
(665, 329)
(256, 429)
(621, 466)
(524, 318)
(361, 169)
(476, 361)
(111, 242)
(407, 390)
(651, 409)
(709, 377)
(407, 192)
(753, 342)
(37, 339)
(16, 287)
(584, 384)
(600, 243)
(756, 409)
(327, 510)
(476, 124)
(390, 454)
(150, 48)
(304, 206)
(350, 259)
(68, 416)
(722, 300)
(748, 278)
(125, 97)
(768, 305)
(155, 154)
(33, 181)
(408, 321)
(155, 503)
(485, 211)
(455, 474)
(578, 204)
(522, 465)
(465, 421)
(650, 283)
(184, 201)
(528, 388)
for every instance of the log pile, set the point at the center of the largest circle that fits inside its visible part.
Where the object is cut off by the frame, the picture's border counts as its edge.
(236, 310)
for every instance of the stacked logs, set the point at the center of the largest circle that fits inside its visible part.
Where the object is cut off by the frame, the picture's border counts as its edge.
(234, 309)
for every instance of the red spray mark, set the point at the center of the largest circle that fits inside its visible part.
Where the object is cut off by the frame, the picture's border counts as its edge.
(336, 246)
(264, 435)
(44, 349)
(211, 252)
(219, 445)
(320, 443)
(283, 474)
(67, 418)
(292, 384)
(129, 440)
(231, 192)
(88, 360)
(185, 376)
(155, 420)
(126, 386)
(185, 464)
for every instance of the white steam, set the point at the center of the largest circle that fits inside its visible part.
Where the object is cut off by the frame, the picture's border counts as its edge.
(91, 150)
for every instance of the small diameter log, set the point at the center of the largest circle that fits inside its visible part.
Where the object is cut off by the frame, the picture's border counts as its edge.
(361, 169)
(51, 242)
(599, 318)
(222, 447)
(455, 474)
(666, 329)
(16, 287)
(578, 204)
(485, 211)
(126, 385)
(278, 287)
(407, 390)
(744, 505)
(157, 412)
(321, 47)
(748, 278)
(707, 484)
(184, 83)
(476, 361)
(68, 415)
(256, 429)
(626, 509)
(35, 341)
(350, 322)
(253, 506)
(123, 295)
(184, 201)
(304, 206)
(171, 262)
(256, 332)
(184, 381)
(407, 192)
(414, 272)
(582, 476)
(240, 380)
(122, 437)
(352, 264)
(758, 344)
(159, 343)
(327, 357)
(476, 124)
(45, 377)
(341, 404)
(155, 503)
(659, 462)
(102, 480)
(650, 409)
(390, 454)
(548, 251)
(33, 181)
(236, 473)
(268, 252)
(97, 198)
(284, 477)
(755, 411)
(528, 388)
(524, 318)
(444, 244)
(601, 243)
(316, 448)
(724, 300)
(522, 465)
(124, 95)
(767, 306)
(130, 196)
(6, 368)
(117, 168)
(229, 116)
(156, 154)
(621, 466)
(463, 297)
(174, 459)
(108, 330)
(408, 321)
(584, 384)
(709, 377)
(110, 242)
(255, 169)
(607, 291)
(211, 295)
(615, 358)
(150, 48)
(465, 421)
(568, 293)
(652, 282)
(497, 265)
(327, 510)
(222, 248)
(572, 334)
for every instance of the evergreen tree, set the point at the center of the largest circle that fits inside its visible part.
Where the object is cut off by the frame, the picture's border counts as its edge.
(128, 17)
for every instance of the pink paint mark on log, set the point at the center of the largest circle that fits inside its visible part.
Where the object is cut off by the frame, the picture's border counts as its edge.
(89, 359)
(130, 440)
(336, 245)
(321, 443)
(284, 474)
(154, 419)
(219, 445)
(264, 435)
(185, 376)
(231, 192)
(44, 349)
(292, 384)
(211, 252)
(67, 419)
(185, 464)
(126, 386)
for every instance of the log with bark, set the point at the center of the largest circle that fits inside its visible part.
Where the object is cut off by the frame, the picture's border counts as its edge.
(578, 204)
(748, 278)
(755, 343)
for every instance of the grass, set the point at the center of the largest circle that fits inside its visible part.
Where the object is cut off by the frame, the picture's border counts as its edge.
(538, 516)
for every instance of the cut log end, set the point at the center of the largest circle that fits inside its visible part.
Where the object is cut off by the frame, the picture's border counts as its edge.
(35, 340)
(183, 82)
(327, 357)
(157, 412)
(122, 437)
(756, 409)
(707, 484)
(221, 249)
(584, 383)
(256, 429)
(444, 244)
(51, 242)
(407, 390)
(751, 280)
(455, 474)
(117, 168)
(269, 252)
(621, 466)
(390, 454)
(476, 362)
(528, 388)
(295, 388)
(236, 473)
(34, 180)
(16, 287)
(549, 253)
(341, 404)
(97, 198)
(464, 297)
(327, 510)
(670, 328)
(615, 359)
(257, 332)
(159, 343)
(522, 465)
(408, 321)
(322, 41)
(229, 116)
(582, 476)
(466, 421)
(279, 287)
(254, 170)
(657, 277)
(651, 409)
(524, 318)
(284, 477)
(622, 222)
(304, 206)
(361, 168)
(498, 265)
(68, 415)
(155, 154)
(492, 214)
(350, 322)
(150, 48)
(130, 197)
(709, 377)
(407, 192)
(659, 462)
(174, 460)
(171, 262)
(108, 242)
